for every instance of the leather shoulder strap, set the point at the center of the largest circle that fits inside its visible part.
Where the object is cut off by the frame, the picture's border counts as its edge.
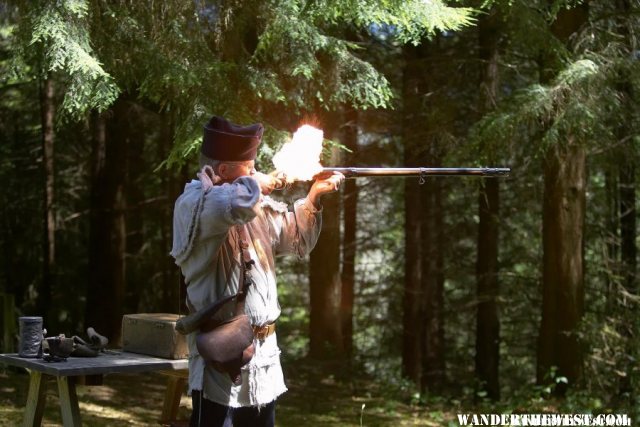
(245, 266)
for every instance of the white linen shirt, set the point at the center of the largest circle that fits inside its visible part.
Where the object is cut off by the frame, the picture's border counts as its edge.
(206, 248)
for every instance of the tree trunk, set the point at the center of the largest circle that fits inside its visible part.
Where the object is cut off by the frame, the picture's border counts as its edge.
(433, 364)
(107, 233)
(49, 235)
(133, 132)
(412, 322)
(174, 288)
(487, 359)
(349, 244)
(423, 317)
(324, 282)
(412, 325)
(563, 268)
(487, 322)
(562, 236)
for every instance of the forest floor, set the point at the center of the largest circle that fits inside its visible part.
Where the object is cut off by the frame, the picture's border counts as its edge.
(314, 399)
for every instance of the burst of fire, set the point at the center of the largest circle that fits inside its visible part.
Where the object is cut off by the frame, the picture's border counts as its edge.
(299, 159)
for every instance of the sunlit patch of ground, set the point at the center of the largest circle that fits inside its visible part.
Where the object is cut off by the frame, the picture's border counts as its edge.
(123, 400)
(315, 398)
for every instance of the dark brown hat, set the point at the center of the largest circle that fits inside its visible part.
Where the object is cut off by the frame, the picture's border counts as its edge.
(224, 140)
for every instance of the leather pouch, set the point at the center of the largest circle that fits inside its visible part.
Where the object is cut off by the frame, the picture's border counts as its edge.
(228, 346)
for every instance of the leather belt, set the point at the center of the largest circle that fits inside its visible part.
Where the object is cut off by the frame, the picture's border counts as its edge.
(262, 332)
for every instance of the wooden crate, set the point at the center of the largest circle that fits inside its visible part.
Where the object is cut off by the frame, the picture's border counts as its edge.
(153, 334)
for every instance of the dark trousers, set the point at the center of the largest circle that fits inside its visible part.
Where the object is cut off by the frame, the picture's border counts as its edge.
(210, 414)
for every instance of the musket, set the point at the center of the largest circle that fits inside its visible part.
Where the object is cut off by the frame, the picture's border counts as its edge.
(421, 173)
(354, 172)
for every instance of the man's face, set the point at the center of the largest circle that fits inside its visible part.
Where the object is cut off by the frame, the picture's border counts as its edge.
(229, 171)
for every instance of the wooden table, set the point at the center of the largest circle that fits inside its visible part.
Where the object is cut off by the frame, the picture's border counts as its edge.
(75, 369)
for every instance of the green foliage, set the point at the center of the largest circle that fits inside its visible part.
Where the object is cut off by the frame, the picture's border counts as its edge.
(55, 38)
(412, 20)
(582, 99)
(579, 101)
(196, 58)
(302, 46)
(557, 5)
(225, 58)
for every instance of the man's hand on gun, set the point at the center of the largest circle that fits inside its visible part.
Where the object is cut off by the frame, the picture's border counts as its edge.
(269, 182)
(325, 182)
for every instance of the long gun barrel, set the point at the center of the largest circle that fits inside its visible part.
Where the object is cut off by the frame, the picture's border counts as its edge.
(420, 172)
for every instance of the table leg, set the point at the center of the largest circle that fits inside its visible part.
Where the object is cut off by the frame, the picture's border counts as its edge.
(175, 388)
(35, 400)
(69, 402)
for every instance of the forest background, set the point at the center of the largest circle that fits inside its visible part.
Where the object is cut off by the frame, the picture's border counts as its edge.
(497, 292)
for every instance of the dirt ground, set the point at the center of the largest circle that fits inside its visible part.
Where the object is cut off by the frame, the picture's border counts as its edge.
(314, 399)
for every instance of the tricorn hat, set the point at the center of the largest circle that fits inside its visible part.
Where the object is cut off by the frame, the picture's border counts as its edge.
(224, 140)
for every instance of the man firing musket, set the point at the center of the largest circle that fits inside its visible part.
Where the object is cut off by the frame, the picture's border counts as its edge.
(227, 233)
